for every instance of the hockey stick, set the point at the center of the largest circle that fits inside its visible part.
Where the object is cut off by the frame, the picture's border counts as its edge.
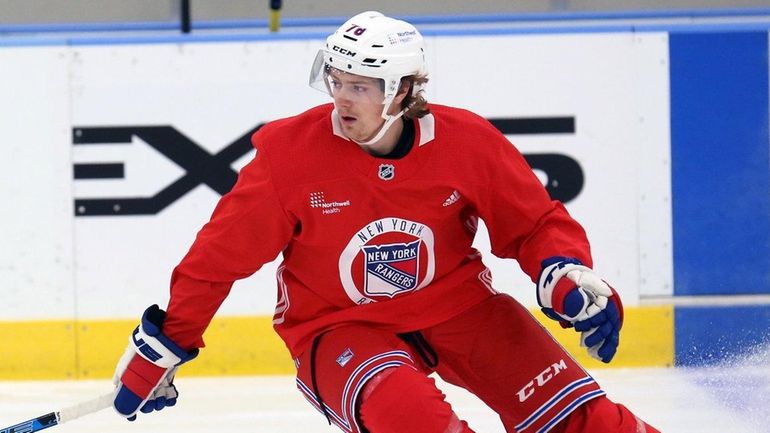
(62, 415)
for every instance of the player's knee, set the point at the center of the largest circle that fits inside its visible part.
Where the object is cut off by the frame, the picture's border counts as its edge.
(372, 383)
(403, 400)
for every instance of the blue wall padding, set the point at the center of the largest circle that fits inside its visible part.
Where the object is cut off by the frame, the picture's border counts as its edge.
(720, 162)
(719, 334)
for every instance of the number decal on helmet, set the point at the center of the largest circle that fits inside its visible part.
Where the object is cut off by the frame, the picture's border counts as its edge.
(356, 29)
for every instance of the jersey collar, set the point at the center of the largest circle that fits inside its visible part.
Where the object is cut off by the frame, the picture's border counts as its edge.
(426, 128)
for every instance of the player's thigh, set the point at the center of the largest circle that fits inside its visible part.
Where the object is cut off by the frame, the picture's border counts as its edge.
(500, 352)
(335, 371)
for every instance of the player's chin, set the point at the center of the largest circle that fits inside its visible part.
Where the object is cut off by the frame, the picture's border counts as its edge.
(356, 134)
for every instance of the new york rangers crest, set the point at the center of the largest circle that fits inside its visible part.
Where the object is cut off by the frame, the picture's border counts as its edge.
(391, 268)
(386, 258)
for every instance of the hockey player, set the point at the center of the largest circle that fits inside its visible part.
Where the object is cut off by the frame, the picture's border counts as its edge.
(373, 201)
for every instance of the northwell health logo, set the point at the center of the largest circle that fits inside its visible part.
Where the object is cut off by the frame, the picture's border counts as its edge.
(318, 201)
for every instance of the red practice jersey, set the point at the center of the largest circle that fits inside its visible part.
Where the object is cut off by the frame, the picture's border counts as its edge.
(369, 240)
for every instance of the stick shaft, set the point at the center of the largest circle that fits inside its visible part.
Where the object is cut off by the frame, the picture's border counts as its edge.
(85, 407)
(61, 416)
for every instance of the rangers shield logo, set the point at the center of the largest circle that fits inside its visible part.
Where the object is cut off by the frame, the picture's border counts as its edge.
(391, 268)
(386, 258)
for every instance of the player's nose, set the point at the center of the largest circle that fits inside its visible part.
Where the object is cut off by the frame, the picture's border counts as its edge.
(343, 98)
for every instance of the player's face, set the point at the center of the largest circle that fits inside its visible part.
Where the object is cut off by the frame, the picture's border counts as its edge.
(359, 103)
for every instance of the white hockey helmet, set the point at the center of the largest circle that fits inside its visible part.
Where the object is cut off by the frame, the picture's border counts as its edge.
(373, 45)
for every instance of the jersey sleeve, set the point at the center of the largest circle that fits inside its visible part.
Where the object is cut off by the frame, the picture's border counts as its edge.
(248, 228)
(523, 222)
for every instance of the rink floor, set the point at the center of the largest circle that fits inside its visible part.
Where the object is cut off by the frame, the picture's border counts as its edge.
(731, 399)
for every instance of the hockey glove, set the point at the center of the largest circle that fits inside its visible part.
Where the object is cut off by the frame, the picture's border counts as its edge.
(144, 376)
(582, 300)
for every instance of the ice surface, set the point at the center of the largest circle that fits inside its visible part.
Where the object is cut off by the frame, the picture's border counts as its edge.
(733, 398)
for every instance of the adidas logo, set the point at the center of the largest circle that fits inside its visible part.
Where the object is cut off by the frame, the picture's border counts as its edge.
(452, 198)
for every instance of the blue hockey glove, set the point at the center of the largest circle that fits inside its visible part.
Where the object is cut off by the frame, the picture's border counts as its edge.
(582, 300)
(144, 376)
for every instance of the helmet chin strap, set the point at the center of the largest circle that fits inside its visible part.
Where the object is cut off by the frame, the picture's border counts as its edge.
(389, 119)
(383, 129)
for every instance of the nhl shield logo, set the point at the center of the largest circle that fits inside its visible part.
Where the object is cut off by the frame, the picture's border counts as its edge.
(391, 268)
(387, 171)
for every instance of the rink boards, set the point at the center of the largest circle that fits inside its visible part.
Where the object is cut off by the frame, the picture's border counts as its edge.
(248, 346)
(656, 139)
(651, 337)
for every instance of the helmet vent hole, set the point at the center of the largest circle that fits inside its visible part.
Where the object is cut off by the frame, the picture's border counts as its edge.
(369, 60)
(378, 46)
(350, 37)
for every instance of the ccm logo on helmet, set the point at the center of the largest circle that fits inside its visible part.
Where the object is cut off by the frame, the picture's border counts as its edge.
(344, 51)
(541, 379)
